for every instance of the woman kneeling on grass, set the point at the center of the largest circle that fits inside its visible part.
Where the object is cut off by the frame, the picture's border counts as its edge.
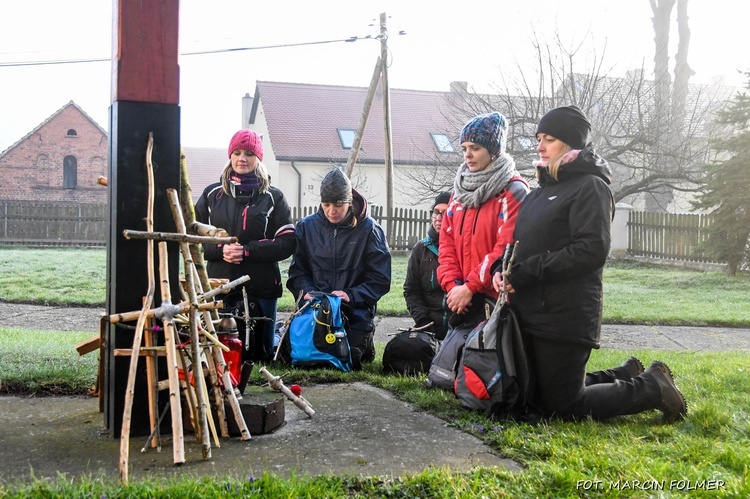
(563, 239)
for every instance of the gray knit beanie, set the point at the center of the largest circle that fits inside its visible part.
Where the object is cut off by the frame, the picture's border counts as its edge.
(336, 187)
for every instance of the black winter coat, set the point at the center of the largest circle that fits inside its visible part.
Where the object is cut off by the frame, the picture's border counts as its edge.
(351, 258)
(424, 297)
(263, 226)
(563, 234)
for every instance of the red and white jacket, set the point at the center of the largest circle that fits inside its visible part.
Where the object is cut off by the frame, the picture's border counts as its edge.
(471, 239)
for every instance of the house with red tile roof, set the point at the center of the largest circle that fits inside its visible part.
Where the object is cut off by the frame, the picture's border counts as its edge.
(307, 129)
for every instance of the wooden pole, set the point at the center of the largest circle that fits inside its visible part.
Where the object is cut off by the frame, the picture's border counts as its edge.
(363, 118)
(130, 387)
(170, 236)
(144, 101)
(387, 128)
(152, 382)
(178, 444)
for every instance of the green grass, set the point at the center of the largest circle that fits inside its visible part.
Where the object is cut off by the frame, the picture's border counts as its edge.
(53, 276)
(634, 293)
(556, 456)
(58, 370)
(616, 458)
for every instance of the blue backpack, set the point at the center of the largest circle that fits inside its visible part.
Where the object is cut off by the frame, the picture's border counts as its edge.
(317, 335)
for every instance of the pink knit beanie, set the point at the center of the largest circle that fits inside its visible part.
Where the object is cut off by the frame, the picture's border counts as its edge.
(247, 140)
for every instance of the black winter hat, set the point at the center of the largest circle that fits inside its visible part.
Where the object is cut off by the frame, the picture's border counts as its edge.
(443, 197)
(336, 187)
(567, 123)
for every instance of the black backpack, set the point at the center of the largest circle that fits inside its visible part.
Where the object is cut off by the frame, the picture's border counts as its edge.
(409, 352)
(493, 373)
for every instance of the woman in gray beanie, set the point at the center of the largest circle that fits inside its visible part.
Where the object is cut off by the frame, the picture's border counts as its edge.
(555, 284)
(341, 250)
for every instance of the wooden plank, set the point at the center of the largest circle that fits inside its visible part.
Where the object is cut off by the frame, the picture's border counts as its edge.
(88, 346)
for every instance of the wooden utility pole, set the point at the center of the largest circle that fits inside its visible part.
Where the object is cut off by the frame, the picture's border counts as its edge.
(145, 96)
(387, 127)
(363, 119)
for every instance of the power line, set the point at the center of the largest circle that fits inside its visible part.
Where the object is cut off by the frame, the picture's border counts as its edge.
(202, 52)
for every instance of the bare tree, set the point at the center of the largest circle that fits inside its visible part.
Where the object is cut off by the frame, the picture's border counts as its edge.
(639, 140)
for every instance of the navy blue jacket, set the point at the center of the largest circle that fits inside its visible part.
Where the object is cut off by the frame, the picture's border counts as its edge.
(350, 257)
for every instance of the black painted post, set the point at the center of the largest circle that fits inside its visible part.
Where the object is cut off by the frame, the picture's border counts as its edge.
(145, 88)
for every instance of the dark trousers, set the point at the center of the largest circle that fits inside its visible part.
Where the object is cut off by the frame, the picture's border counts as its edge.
(564, 390)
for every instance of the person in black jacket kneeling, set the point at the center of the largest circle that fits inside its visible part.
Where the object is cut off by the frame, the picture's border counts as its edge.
(342, 251)
(424, 296)
(555, 283)
(245, 204)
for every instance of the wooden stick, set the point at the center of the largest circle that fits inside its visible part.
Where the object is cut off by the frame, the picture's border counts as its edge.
(216, 359)
(180, 238)
(130, 388)
(200, 229)
(204, 387)
(151, 383)
(192, 401)
(285, 325)
(184, 307)
(416, 329)
(178, 443)
(277, 384)
(143, 352)
(218, 356)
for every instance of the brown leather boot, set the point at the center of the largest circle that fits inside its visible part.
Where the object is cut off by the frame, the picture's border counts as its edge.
(633, 367)
(628, 370)
(673, 403)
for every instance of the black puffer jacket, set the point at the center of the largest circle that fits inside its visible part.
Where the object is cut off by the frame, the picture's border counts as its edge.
(563, 234)
(424, 297)
(351, 258)
(263, 225)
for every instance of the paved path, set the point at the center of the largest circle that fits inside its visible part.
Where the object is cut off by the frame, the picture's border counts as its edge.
(619, 337)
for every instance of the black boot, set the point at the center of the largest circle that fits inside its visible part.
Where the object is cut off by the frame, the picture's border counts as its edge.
(630, 369)
(672, 403)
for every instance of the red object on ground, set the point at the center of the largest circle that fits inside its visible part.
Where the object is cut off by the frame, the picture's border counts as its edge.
(296, 389)
(233, 357)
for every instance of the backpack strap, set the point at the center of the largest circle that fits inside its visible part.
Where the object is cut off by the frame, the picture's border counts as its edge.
(430, 244)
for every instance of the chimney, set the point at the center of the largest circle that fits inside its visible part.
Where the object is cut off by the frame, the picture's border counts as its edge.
(247, 107)
(459, 87)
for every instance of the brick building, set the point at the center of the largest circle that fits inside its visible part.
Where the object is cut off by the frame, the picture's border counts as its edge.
(58, 161)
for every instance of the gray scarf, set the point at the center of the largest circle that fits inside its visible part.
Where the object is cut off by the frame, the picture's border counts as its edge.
(473, 189)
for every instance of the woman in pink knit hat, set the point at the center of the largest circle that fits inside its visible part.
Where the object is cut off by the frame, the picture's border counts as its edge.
(244, 203)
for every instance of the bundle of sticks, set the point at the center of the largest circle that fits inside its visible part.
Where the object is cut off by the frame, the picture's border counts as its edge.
(189, 362)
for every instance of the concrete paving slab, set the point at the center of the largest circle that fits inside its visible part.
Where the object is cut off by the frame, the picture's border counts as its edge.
(356, 430)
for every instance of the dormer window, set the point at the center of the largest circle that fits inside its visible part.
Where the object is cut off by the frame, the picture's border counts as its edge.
(442, 142)
(72, 133)
(346, 135)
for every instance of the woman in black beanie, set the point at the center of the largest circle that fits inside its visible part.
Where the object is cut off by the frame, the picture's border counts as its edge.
(555, 283)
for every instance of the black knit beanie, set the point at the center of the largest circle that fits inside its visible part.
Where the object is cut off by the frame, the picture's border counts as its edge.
(567, 123)
(443, 197)
(336, 187)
